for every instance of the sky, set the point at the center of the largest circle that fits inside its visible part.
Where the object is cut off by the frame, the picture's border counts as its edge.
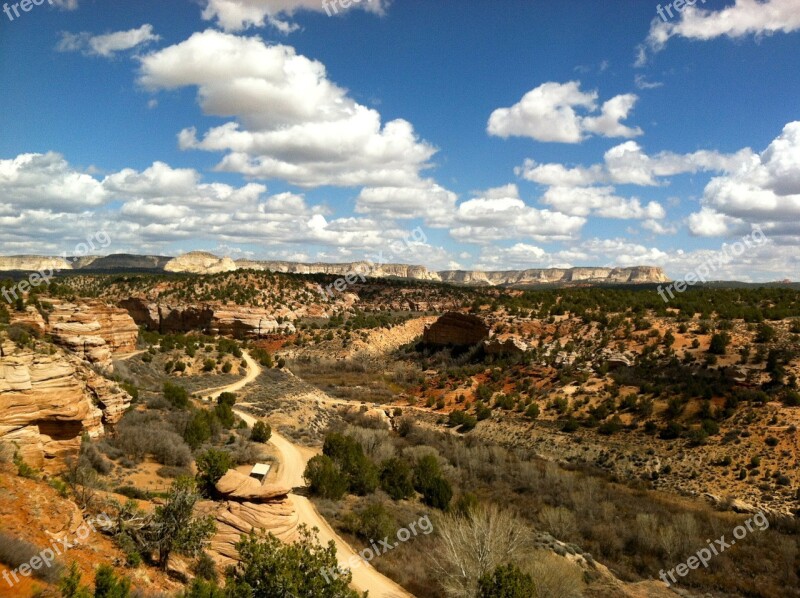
(483, 135)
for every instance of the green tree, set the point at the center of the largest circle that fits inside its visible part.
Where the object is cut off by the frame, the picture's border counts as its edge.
(358, 469)
(108, 585)
(70, 584)
(507, 581)
(268, 568)
(397, 479)
(176, 395)
(211, 466)
(261, 432)
(719, 343)
(324, 478)
(173, 527)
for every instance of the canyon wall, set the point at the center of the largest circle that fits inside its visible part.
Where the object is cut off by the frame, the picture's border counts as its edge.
(47, 402)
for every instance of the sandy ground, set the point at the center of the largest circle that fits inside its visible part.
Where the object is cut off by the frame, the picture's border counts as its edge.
(293, 460)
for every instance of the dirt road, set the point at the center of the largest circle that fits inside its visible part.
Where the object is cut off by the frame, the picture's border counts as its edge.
(293, 460)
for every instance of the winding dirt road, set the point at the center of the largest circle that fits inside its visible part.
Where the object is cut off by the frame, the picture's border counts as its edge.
(293, 460)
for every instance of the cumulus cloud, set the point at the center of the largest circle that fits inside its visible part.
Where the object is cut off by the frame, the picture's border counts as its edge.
(428, 200)
(550, 113)
(236, 15)
(600, 201)
(743, 18)
(764, 190)
(45, 181)
(292, 122)
(500, 214)
(628, 164)
(106, 45)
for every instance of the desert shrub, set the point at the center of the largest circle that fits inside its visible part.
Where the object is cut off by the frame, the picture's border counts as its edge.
(173, 471)
(507, 581)
(133, 492)
(372, 523)
(108, 585)
(90, 455)
(16, 551)
(209, 365)
(554, 576)
(204, 567)
(145, 433)
(559, 521)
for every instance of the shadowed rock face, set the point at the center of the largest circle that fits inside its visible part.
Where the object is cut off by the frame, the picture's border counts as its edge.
(236, 321)
(454, 329)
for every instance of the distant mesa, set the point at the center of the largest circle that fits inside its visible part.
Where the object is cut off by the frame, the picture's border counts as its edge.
(455, 329)
(202, 262)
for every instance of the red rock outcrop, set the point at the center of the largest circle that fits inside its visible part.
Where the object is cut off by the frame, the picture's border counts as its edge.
(456, 330)
(47, 402)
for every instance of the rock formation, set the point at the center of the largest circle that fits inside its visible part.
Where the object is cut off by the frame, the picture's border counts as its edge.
(212, 318)
(636, 274)
(246, 505)
(367, 269)
(200, 262)
(47, 402)
(121, 261)
(454, 329)
(93, 330)
(32, 263)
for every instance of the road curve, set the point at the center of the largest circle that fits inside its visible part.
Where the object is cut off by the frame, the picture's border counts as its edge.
(293, 460)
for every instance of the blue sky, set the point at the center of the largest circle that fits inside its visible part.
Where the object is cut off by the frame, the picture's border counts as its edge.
(513, 134)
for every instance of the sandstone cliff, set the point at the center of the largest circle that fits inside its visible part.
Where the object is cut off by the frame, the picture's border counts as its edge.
(636, 274)
(92, 330)
(368, 269)
(212, 318)
(47, 402)
(200, 262)
(32, 263)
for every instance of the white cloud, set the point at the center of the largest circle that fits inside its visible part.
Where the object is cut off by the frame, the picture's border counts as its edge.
(628, 164)
(108, 44)
(429, 201)
(44, 181)
(500, 214)
(764, 190)
(744, 17)
(600, 201)
(292, 122)
(236, 15)
(550, 113)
